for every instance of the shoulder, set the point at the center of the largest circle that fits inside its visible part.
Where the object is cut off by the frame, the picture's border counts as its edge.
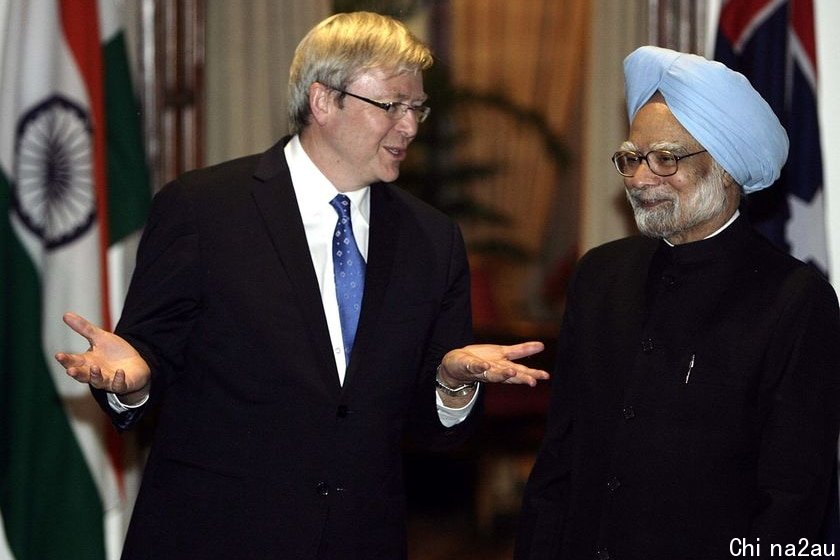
(620, 254)
(240, 167)
(202, 196)
(394, 194)
(752, 253)
(396, 200)
(769, 264)
(228, 176)
(232, 177)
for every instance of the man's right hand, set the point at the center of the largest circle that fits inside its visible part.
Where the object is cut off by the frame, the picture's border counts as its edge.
(110, 363)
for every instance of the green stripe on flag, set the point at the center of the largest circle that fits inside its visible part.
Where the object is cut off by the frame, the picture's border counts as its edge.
(129, 196)
(47, 495)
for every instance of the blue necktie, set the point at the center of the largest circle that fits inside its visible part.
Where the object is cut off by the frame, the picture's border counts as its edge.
(349, 270)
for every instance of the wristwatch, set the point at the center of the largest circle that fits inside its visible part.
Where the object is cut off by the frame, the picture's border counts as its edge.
(459, 391)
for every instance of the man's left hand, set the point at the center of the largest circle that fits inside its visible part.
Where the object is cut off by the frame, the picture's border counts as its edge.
(491, 363)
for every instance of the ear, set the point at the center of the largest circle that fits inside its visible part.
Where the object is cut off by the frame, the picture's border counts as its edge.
(321, 102)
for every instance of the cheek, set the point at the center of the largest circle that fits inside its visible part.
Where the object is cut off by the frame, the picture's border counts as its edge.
(682, 184)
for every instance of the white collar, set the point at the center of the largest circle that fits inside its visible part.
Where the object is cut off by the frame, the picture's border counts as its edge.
(314, 191)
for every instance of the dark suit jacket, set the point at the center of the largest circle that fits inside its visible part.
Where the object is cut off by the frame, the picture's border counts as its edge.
(259, 452)
(695, 402)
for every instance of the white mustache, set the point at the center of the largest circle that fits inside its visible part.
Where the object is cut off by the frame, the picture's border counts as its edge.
(646, 195)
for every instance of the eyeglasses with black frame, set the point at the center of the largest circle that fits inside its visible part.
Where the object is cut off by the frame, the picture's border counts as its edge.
(395, 109)
(660, 162)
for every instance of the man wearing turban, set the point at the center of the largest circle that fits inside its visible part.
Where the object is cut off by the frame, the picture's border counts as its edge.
(695, 403)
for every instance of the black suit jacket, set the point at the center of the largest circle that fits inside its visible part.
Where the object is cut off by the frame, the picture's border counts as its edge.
(695, 402)
(259, 452)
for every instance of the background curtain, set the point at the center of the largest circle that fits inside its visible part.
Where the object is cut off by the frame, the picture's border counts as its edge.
(249, 49)
(533, 55)
(617, 29)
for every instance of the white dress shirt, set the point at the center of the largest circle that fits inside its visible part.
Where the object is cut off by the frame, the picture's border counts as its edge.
(314, 193)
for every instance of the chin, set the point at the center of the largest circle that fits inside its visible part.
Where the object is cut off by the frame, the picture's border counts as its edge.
(389, 176)
(657, 226)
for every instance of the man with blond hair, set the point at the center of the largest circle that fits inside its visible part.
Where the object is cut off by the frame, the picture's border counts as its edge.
(293, 316)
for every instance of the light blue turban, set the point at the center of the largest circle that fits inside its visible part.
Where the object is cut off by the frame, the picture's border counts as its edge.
(718, 106)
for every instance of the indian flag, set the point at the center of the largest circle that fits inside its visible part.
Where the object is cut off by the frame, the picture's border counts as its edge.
(73, 190)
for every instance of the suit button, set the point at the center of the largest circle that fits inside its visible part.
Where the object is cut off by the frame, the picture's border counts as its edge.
(628, 412)
(613, 483)
(342, 411)
(668, 280)
(323, 488)
(602, 554)
(647, 345)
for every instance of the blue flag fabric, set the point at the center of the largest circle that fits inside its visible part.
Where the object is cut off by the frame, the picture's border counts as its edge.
(772, 43)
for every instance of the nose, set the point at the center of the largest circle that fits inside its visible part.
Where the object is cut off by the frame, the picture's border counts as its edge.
(642, 177)
(407, 124)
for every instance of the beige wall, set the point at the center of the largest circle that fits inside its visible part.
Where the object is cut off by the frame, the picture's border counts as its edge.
(249, 49)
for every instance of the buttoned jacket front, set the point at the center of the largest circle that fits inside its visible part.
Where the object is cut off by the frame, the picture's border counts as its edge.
(695, 401)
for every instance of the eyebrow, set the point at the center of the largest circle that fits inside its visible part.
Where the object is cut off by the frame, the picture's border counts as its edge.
(403, 98)
(416, 102)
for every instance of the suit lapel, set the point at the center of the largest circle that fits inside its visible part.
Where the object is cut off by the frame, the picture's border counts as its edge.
(382, 243)
(277, 204)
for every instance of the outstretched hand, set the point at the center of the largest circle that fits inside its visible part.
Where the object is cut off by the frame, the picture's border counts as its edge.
(110, 363)
(491, 363)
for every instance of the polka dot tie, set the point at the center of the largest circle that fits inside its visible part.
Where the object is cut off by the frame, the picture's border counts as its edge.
(349, 269)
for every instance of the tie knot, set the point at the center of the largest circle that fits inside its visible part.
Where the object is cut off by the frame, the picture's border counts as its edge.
(342, 205)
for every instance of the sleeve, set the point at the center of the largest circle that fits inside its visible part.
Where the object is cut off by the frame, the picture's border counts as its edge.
(799, 434)
(163, 298)
(452, 328)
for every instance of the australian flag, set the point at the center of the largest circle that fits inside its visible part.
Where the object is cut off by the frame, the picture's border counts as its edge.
(772, 43)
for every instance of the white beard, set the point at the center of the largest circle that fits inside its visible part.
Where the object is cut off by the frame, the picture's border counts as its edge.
(671, 217)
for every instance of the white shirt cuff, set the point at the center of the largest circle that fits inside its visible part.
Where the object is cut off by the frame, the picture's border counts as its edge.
(120, 407)
(452, 416)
